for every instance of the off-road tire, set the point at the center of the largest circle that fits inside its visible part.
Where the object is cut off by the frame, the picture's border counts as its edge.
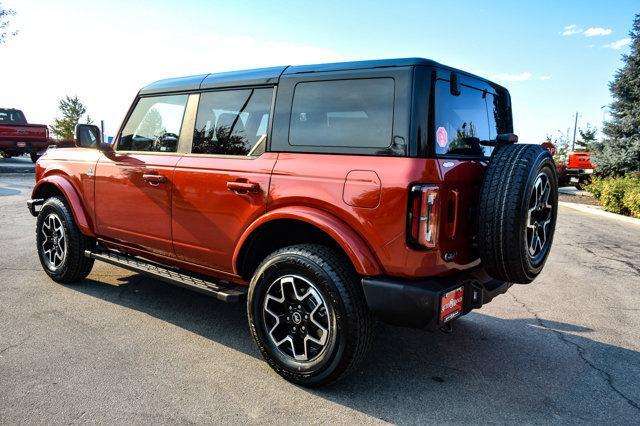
(504, 210)
(338, 283)
(75, 266)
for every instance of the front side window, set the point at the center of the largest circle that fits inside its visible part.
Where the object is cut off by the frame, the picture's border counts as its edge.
(154, 124)
(343, 113)
(462, 122)
(232, 122)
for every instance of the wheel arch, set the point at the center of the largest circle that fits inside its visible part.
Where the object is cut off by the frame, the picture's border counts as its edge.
(284, 226)
(55, 185)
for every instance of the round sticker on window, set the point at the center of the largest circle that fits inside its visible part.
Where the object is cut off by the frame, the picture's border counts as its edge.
(441, 137)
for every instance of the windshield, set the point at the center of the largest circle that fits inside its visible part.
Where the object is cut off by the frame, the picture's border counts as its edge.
(467, 124)
(12, 116)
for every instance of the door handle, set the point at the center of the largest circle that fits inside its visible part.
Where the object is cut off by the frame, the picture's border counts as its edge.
(154, 179)
(243, 187)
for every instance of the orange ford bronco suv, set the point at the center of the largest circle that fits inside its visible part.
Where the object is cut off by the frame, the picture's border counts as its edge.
(325, 195)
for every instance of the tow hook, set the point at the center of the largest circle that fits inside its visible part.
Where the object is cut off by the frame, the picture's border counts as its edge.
(447, 328)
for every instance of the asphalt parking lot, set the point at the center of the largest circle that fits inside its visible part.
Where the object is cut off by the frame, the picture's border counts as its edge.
(22, 164)
(120, 347)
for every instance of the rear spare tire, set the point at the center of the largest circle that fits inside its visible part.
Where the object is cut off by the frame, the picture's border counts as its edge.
(518, 210)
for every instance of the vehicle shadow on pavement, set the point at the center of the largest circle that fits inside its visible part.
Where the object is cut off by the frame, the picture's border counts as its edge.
(488, 368)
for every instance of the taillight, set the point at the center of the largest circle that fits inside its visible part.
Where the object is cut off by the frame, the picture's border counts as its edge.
(422, 218)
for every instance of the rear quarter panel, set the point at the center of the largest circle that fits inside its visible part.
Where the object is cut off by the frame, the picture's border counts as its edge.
(318, 181)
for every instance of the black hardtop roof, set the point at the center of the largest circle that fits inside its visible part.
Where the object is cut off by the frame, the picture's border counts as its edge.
(260, 76)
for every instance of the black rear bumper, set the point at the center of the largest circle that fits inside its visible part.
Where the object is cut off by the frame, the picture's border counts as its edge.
(417, 303)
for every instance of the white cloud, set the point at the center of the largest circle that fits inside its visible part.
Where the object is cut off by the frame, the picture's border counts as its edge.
(544, 77)
(523, 76)
(596, 31)
(571, 30)
(617, 45)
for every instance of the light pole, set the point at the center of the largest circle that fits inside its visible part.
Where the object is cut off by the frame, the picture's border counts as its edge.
(603, 107)
(575, 127)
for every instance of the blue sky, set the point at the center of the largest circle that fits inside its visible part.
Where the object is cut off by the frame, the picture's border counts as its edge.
(104, 51)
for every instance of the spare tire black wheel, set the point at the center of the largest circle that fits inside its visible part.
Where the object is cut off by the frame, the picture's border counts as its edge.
(518, 210)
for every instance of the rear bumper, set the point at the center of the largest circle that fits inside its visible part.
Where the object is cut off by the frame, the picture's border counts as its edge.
(578, 172)
(19, 147)
(417, 303)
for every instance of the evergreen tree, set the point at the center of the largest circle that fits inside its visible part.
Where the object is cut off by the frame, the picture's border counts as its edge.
(72, 111)
(587, 139)
(620, 152)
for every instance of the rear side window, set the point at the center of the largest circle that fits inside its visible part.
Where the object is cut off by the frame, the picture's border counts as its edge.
(463, 121)
(154, 125)
(232, 122)
(343, 113)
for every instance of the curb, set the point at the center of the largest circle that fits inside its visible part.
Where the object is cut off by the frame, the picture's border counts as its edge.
(575, 192)
(9, 170)
(599, 212)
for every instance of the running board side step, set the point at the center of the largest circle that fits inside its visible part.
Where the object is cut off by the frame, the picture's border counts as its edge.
(219, 289)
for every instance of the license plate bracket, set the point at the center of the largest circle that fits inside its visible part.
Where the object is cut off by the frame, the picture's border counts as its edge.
(451, 304)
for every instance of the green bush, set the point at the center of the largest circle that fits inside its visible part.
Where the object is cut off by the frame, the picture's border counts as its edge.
(595, 187)
(631, 200)
(618, 194)
(613, 190)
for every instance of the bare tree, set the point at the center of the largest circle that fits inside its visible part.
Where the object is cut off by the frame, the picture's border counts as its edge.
(5, 15)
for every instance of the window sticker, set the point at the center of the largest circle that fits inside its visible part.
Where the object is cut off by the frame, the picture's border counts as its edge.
(441, 137)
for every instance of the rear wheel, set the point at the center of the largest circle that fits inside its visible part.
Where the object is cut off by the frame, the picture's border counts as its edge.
(308, 315)
(61, 245)
(518, 209)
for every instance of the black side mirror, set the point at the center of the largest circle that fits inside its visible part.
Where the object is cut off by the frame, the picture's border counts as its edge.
(88, 136)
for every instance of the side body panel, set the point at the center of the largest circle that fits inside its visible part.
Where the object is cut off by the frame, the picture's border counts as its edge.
(297, 181)
(130, 209)
(208, 217)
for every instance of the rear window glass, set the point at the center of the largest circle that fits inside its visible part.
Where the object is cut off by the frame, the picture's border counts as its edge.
(12, 117)
(464, 122)
(343, 113)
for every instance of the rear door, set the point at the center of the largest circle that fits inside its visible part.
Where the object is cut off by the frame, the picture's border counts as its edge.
(221, 184)
(134, 183)
(464, 124)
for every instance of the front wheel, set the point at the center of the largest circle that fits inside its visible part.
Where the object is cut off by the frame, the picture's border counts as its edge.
(61, 245)
(308, 315)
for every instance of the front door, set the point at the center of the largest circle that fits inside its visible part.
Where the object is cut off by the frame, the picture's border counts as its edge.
(134, 183)
(221, 185)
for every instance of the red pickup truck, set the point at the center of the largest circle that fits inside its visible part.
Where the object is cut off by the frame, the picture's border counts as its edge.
(323, 195)
(17, 137)
(579, 168)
